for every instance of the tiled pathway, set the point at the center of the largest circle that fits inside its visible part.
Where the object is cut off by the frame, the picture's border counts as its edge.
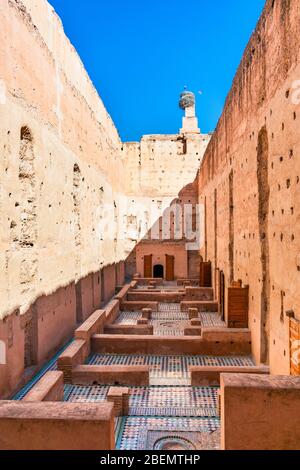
(170, 413)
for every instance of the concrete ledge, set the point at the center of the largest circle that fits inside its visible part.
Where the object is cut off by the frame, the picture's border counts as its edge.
(129, 329)
(56, 426)
(74, 355)
(208, 376)
(260, 412)
(111, 375)
(133, 344)
(49, 388)
(136, 306)
(94, 324)
(202, 306)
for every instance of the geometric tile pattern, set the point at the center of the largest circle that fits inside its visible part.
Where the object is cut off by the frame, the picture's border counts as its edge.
(134, 433)
(169, 307)
(85, 394)
(153, 401)
(169, 327)
(173, 401)
(211, 320)
(169, 370)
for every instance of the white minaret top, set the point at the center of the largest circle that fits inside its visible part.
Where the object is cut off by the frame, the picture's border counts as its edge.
(189, 121)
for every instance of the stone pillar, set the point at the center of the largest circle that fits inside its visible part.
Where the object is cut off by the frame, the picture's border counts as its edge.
(193, 313)
(147, 313)
(119, 396)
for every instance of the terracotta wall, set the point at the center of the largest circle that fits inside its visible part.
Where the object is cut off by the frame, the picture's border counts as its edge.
(249, 182)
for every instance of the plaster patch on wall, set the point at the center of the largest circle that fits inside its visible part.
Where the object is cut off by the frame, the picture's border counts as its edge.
(2, 353)
(2, 92)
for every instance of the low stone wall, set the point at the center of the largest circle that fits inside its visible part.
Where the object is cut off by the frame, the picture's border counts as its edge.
(145, 281)
(94, 324)
(56, 426)
(49, 388)
(188, 282)
(199, 293)
(193, 331)
(209, 344)
(74, 355)
(136, 306)
(260, 412)
(111, 375)
(129, 330)
(122, 295)
(173, 297)
(208, 376)
(202, 306)
(112, 310)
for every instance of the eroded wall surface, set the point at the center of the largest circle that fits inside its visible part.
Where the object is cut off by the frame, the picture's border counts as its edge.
(249, 182)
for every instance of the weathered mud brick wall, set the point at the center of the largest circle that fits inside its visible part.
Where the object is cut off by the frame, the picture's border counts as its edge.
(60, 164)
(159, 171)
(249, 182)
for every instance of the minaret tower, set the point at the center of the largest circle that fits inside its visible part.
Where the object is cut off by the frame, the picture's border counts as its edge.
(189, 121)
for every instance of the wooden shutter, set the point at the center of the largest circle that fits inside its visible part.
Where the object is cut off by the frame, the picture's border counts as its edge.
(205, 274)
(238, 301)
(148, 266)
(169, 268)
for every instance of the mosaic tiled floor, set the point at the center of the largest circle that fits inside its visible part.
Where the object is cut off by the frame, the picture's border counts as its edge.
(173, 401)
(179, 320)
(169, 370)
(153, 401)
(169, 414)
(134, 434)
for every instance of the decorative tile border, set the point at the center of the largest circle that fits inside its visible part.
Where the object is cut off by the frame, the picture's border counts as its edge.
(136, 429)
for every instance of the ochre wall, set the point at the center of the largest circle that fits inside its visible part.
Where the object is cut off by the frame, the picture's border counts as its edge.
(250, 182)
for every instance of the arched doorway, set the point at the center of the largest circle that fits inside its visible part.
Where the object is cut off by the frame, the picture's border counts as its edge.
(158, 271)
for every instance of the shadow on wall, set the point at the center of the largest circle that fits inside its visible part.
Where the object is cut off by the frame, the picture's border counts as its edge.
(169, 254)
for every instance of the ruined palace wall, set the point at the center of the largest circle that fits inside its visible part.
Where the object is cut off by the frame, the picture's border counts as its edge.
(60, 165)
(156, 170)
(161, 165)
(249, 181)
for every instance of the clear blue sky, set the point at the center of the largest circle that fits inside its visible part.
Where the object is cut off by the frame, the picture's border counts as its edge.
(140, 54)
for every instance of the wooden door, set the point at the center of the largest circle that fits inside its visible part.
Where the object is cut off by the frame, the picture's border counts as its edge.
(148, 266)
(222, 295)
(238, 305)
(170, 268)
(205, 274)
